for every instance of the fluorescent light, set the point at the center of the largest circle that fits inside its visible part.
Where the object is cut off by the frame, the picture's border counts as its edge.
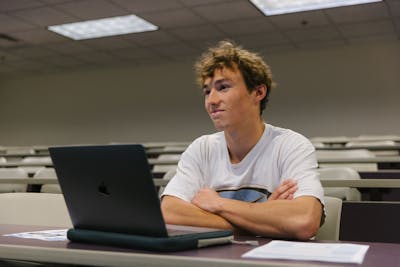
(275, 7)
(103, 27)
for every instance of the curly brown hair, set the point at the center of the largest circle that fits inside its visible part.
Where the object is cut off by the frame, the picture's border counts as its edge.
(226, 54)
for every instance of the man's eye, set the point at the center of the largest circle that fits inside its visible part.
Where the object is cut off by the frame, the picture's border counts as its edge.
(206, 91)
(222, 87)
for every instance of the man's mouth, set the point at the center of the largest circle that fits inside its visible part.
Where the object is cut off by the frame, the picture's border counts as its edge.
(215, 113)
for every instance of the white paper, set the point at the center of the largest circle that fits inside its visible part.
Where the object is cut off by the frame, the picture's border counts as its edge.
(46, 235)
(292, 250)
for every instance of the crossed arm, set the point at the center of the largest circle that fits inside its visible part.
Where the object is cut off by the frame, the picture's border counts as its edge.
(280, 216)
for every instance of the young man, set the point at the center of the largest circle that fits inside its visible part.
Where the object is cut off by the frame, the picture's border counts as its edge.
(250, 176)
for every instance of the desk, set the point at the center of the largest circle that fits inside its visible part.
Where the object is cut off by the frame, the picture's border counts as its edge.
(372, 148)
(380, 174)
(379, 254)
(388, 162)
(362, 183)
(10, 164)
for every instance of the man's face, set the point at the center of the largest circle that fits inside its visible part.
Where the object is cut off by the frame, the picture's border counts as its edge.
(227, 100)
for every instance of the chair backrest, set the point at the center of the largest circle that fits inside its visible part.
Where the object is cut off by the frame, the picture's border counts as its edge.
(12, 173)
(31, 170)
(340, 173)
(20, 151)
(387, 144)
(344, 154)
(331, 228)
(48, 173)
(347, 154)
(34, 209)
(167, 176)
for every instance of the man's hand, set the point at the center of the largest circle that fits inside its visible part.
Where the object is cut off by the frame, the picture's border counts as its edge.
(207, 199)
(285, 190)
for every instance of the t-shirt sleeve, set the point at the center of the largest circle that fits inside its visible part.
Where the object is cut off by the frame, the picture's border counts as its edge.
(299, 162)
(188, 179)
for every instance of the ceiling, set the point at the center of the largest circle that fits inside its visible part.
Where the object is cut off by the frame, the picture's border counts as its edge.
(186, 28)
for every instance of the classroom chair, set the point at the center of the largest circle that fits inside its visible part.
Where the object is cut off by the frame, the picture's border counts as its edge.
(13, 173)
(31, 170)
(340, 173)
(48, 172)
(347, 155)
(331, 228)
(34, 209)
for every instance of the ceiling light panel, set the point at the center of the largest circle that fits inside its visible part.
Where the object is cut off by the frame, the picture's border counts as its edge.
(103, 27)
(276, 7)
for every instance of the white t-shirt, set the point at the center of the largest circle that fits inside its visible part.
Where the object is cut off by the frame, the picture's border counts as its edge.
(279, 154)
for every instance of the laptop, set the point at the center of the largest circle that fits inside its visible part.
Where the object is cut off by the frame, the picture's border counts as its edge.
(111, 198)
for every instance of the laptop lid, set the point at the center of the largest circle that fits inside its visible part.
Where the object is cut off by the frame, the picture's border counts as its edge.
(109, 188)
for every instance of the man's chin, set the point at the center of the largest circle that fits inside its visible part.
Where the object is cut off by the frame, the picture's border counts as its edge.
(219, 127)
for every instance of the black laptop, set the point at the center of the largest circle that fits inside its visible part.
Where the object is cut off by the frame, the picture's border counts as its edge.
(112, 200)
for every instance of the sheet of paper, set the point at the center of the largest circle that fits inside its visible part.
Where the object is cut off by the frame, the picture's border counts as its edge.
(46, 235)
(293, 250)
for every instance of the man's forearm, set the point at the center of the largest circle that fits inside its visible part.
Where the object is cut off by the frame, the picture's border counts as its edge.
(298, 218)
(177, 211)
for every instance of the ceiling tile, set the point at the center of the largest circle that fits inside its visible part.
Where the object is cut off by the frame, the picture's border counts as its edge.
(10, 24)
(272, 49)
(95, 57)
(9, 5)
(68, 47)
(300, 20)
(320, 44)
(313, 34)
(28, 64)
(33, 52)
(5, 42)
(247, 26)
(107, 43)
(54, 2)
(44, 16)
(151, 38)
(39, 36)
(182, 18)
(177, 50)
(200, 2)
(141, 6)
(228, 11)
(198, 33)
(358, 13)
(133, 53)
(62, 61)
(371, 28)
(7, 56)
(373, 39)
(256, 40)
(91, 9)
(7, 69)
(394, 7)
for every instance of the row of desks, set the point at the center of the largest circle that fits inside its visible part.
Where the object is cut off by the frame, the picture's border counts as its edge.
(379, 160)
(158, 150)
(379, 254)
(359, 183)
(65, 252)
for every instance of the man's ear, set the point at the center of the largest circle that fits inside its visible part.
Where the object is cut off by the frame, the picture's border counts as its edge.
(261, 92)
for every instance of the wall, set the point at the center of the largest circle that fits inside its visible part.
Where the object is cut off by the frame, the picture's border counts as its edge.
(340, 90)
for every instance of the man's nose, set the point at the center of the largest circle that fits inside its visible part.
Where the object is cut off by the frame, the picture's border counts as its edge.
(213, 97)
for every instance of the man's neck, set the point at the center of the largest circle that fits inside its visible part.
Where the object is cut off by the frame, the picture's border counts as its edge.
(240, 142)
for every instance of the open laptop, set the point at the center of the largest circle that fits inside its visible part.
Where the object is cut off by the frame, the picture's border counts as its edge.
(109, 190)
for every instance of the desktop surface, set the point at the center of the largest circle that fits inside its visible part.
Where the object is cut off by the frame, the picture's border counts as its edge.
(379, 254)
